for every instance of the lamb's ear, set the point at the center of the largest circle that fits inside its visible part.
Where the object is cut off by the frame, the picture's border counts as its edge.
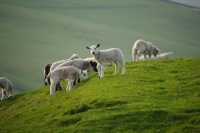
(88, 47)
(97, 45)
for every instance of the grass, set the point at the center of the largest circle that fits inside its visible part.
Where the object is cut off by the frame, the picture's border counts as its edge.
(153, 96)
(34, 33)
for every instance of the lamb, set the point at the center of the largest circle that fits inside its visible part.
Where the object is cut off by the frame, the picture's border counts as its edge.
(51, 66)
(6, 87)
(80, 64)
(62, 73)
(163, 56)
(103, 57)
(145, 48)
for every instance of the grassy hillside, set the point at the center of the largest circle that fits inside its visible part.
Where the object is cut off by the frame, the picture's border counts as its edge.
(153, 96)
(34, 33)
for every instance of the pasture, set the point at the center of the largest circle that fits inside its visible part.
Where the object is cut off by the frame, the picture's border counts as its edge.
(153, 96)
(34, 33)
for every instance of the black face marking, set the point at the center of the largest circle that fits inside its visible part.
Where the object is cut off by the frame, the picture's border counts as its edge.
(94, 65)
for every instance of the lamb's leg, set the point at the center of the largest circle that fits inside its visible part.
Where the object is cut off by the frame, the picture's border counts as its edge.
(56, 89)
(59, 86)
(99, 70)
(69, 88)
(2, 93)
(74, 83)
(138, 56)
(102, 71)
(116, 67)
(49, 81)
(122, 63)
(123, 68)
(79, 80)
(52, 87)
(134, 56)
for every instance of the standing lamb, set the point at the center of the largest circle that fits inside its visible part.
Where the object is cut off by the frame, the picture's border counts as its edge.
(103, 57)
(6, 87)
(145, 48)
(163, 56)
(63, 73)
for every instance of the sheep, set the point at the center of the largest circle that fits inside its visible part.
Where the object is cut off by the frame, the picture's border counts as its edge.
(103, 57)
(162, 56)
(51, 66)
(145, 48)
(80, 64)
(6, 87)
(62, 73)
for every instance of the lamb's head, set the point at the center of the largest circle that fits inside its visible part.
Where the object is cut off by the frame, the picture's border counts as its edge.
(94, 65)
(155, 51)
(94, 49)
(84, 75)
(74, 56)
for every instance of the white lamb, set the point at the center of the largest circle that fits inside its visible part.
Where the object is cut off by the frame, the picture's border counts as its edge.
(145, 48)
(103, 57)
(6, 87)
(163, 56)
(81, 64)
(53, 66)
(63, 73)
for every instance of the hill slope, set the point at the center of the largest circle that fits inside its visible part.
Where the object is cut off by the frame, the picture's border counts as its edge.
(153, 96)
(37, 32)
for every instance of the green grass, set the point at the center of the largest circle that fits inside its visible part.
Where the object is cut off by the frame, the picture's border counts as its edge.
(153, 96)
(34, 33)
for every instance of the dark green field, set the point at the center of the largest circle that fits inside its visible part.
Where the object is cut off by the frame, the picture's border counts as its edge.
(33, 33)
(152, 97)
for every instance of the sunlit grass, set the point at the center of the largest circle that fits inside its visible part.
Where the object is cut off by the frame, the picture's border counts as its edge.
(153, 96)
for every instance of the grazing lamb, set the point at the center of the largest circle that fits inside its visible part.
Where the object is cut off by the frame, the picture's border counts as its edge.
(47, 69)
(80, 64)
(103, 57)
(145, 48)
(63, 73)
(163, 56)
(6, 87)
